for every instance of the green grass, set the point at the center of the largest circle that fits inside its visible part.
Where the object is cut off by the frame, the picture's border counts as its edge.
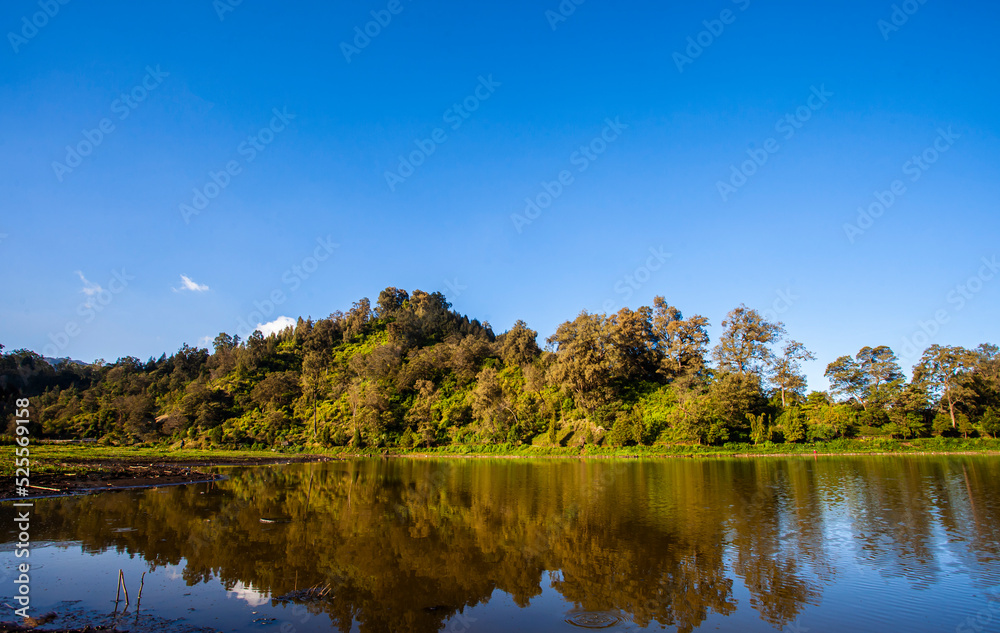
(842, 446)
(55, 458)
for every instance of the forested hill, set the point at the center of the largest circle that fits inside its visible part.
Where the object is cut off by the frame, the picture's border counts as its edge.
(411, 371)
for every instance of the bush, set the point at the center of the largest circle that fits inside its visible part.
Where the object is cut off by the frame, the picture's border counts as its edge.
(990, 423)
(942, 425)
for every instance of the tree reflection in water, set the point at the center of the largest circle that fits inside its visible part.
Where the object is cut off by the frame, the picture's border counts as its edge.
(406, 544)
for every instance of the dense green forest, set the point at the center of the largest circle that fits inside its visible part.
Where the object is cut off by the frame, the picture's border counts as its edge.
(412, 372)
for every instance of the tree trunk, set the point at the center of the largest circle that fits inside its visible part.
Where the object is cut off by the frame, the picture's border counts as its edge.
(951, 409)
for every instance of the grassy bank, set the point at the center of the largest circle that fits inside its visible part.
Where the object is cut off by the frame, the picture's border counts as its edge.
(83, 458)
(58, 458)
(835, 447)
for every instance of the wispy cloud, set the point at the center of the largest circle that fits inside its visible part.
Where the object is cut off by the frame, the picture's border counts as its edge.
(275, 326)
(90, 290)
(189, 284)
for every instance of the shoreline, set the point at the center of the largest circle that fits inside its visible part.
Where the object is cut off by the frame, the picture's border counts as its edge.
(61, 470)
(680, 455)
(86, 475)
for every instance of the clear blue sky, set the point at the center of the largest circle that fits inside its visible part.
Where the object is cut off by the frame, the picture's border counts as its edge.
(866, 99)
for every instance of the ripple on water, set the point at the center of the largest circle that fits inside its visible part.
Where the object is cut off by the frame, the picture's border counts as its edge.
(593, 619)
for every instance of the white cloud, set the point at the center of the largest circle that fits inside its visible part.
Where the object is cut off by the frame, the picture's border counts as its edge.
(205, 341)
(90, 289)
(189, 284)
(275, 326)
(248, 594)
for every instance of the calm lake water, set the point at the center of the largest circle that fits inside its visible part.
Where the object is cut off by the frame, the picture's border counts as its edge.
(478, 545)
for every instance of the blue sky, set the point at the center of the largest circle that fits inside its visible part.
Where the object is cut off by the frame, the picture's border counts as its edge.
(296, 127)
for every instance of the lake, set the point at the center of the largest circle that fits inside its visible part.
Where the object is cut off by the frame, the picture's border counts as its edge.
(788, 544)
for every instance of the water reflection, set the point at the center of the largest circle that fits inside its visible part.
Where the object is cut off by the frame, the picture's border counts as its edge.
(405, 545)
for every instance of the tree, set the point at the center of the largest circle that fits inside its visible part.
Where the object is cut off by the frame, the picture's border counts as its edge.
(786, 372)
(467, 357)
(358, 319)
(987, 363)
(681, 343)
(846, 379)
(137, 412)
(631, 343)
(734, 397)
(518, 346)
(986, 378)
(872, 378)
(792, 425)
(945, 371)
(355, 400)
(390, 301)
(909, 410)
(369, 404)
(744, 345)
(760, 429)
(313, 369)
(225, 343)
(990, 423)
(492, 405)
(423, 413)
(583, 363)
(843, 419)
(276, 390)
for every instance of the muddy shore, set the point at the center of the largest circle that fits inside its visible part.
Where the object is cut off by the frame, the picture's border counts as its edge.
(96, 475)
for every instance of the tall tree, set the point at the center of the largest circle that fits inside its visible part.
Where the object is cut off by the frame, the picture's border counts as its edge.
(583, 363)
(682, 343)
(390, 301)
(492, 404)
(987, 365)
(946, 371)
(744, 345)
(313, 369)
(632, 353)
(786, 371)
(358, 318)
(872, 378)
(519, 345)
